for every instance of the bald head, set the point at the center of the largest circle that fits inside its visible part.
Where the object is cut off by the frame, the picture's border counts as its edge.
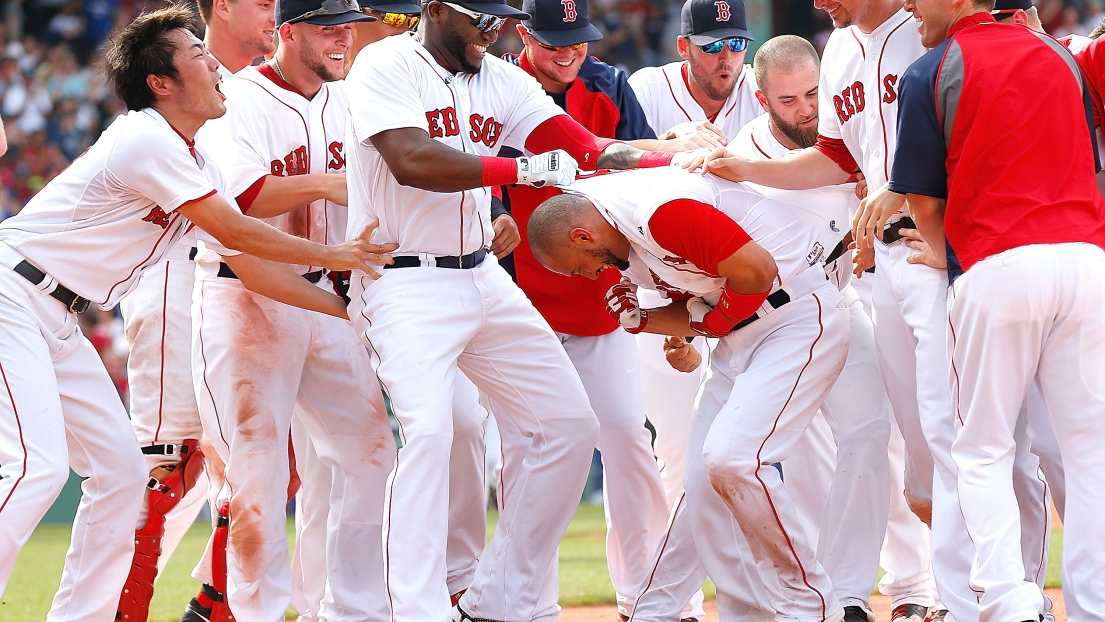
(782, 55)
(569, 236)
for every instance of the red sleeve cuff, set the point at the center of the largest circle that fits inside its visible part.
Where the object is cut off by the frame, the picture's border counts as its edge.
(697, 232)
(564, 132)
(837, 151)
(246, 199)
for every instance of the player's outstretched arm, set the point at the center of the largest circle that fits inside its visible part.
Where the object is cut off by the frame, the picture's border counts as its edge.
(803, 170)
(249, 235)
(928, 213)
(279, 195)
(279, 282)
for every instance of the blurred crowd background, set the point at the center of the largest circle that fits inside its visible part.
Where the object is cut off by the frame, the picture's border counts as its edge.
(55, 102)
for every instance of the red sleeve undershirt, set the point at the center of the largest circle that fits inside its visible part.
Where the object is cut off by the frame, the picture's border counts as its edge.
(836, 151)
(564, 132)
(249, 195)
(697, 232)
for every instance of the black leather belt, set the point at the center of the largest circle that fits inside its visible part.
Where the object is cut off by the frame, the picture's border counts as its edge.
(226, 273)
(892, 233)
(464, 262)
(192, 252)
(162, 450)
(72, 302)
(836, 253)
(776, 300)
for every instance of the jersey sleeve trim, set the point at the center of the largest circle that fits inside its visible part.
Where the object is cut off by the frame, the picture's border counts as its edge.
(197, 199)
(249, 195)
(837, 151)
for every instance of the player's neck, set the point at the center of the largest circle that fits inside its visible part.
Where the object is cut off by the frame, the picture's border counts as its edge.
(227, 51)
(711, 107)
(881, 11)
(185, 123)
(296, 74)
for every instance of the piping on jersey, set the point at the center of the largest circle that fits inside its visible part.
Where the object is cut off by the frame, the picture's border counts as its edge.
(879, 94)
(306, 130)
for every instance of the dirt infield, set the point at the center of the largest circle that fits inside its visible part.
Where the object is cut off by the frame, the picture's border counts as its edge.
(881, 605)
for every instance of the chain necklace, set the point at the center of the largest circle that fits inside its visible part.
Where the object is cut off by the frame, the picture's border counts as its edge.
(276, 65)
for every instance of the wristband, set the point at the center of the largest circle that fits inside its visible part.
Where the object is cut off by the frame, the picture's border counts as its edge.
(654, 159)
(498, 171)
(739, 307)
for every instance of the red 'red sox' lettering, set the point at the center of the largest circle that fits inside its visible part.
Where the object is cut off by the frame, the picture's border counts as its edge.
(850, 101)
(486, 131)
(569, 10)
(295, 163)
(337, 159)
(158, 217)
(889, 84)
(443, 122)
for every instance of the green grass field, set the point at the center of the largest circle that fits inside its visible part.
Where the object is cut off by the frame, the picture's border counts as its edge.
(583, 576)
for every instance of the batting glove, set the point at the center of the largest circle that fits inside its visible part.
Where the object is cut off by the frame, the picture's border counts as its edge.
(706, 320)
(552, 167)
(622, 305)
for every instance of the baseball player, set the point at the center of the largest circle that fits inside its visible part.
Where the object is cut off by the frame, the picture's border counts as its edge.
(259, 361)
(712, 83)
(426, 115)
(157, 325)
(598, 96)
(767, 377)
(96, 227)
(1022, 307)
(865, 58)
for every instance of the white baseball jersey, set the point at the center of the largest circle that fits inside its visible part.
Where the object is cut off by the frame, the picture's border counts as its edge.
(796, 238)
(267, 116)
(401, 86)
(858, 91)
(666, 99)
(111, 213)
(836, 203)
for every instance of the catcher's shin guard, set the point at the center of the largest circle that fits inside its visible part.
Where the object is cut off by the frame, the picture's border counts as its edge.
(163, 496)
(220, 609)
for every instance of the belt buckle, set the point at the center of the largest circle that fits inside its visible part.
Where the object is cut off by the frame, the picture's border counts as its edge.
(78, 305)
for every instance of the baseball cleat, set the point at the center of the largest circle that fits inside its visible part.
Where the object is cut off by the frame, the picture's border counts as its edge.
(855, 613)
(195, 612)
(936, 615)
(909, 613)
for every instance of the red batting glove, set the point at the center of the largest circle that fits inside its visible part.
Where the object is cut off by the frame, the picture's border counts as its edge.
(731, 310)
(622, 305)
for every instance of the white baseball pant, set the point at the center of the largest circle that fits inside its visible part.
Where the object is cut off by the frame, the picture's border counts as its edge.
(60, 410)
(636, 508)
(421, 324)
(910, 305)
(257, 359)
(766, 383)
(1030, 313)
(157, 323)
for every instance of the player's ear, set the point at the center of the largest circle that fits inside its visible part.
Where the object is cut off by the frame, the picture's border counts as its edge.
(581, 237)
(521, 31)
(760, 97)
(436, 13)
(681, 44)
(160, 85)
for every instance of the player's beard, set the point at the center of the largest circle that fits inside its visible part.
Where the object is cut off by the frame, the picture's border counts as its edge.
(609, 258)
(803, 137)
(312, 59)
(454, 43)
(706, 84)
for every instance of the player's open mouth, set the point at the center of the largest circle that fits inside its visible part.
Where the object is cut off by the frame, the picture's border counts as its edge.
(219, 89)
(480, 49)
(337, 56)
(564, 63)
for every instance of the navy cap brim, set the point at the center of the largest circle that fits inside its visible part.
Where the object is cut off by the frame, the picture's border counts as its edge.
(561, 38)
(336, 19)
(705, 38)
(406, 8)
(498, 9)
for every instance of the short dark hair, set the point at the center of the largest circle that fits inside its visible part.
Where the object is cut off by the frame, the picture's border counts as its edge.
(143, 48)
(205, 7)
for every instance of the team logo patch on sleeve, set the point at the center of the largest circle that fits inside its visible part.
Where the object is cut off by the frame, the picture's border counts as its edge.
(158, 217)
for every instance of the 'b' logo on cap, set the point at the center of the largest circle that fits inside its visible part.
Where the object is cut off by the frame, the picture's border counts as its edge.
(569, 10)
(722, 10)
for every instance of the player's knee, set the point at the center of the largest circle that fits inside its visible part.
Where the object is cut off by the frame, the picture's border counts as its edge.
(126, 477)
(727, 465)
(46, 476)
(871, 432)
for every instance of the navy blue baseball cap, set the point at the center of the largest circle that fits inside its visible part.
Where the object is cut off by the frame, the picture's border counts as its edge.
(386, 6)
(498, 8)
(1009, 6)
(560, 22)
(319, 12)
(706, 21)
